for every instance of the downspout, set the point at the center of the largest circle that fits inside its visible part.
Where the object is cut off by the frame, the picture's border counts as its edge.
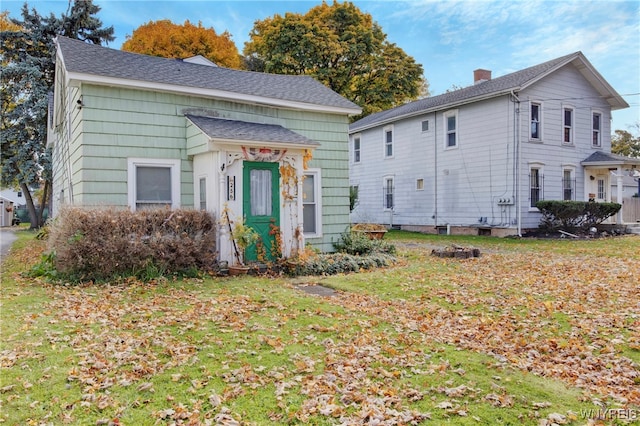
(435, 169)
(516, 141)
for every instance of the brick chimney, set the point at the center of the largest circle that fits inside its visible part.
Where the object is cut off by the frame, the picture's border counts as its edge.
(481, 75)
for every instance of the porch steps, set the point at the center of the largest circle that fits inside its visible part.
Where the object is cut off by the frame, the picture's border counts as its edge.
(633, 228)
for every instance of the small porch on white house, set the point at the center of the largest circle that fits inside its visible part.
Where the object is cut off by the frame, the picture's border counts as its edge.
(614, 178)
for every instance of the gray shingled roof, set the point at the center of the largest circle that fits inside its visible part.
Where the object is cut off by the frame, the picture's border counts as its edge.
(606, 157)
(85, 58)
(487, 89)
(220, 128)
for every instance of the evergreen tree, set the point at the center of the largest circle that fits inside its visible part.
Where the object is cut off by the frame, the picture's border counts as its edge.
(27, 54)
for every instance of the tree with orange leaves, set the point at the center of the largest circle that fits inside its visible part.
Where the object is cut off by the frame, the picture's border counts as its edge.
(168, 40)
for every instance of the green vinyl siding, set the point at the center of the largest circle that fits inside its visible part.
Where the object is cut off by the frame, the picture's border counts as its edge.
(119, 123)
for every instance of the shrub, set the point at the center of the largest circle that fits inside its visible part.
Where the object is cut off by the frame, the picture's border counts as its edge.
(105, 244)
(574, 214)
(337, 263)
(358, 243)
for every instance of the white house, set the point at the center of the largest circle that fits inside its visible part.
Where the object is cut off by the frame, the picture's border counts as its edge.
(476, 160)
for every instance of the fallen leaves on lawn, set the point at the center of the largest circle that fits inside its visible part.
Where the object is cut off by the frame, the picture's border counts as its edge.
(555, 317)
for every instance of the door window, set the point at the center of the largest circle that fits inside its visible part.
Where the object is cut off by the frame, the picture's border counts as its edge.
(261, 196)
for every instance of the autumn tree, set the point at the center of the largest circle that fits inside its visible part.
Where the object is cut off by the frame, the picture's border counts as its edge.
(624, 143)
(168, 40)
(343, 48)
(27, 54)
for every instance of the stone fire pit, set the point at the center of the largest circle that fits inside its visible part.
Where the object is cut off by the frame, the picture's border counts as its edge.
(457, 252)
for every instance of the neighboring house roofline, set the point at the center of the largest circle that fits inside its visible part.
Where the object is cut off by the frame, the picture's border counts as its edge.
(85, 62)
(500, 86)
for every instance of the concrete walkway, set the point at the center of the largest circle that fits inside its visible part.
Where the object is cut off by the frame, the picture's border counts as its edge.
(7, 237)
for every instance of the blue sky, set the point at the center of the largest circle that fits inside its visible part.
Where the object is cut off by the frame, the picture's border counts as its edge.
(449, 38)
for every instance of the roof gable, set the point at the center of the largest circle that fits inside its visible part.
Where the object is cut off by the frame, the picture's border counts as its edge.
(499, 86)
(89, 62)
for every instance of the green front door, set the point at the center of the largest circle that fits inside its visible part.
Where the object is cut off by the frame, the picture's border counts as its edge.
(261, 206)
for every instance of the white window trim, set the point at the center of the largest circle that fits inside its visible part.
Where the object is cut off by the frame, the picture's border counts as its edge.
(173, 164)
(418, 180)
(384, 194)
(446, 115)
(353, 157)
(422, 125)
(540, 167)
(317, 189)
(594, 112)
(573, 125)
(540, 121)
(384, 142)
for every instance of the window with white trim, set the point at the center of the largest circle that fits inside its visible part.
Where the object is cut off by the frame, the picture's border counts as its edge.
(602, 189)
(451, 129)
(419, 184)
(356, 149)
(536, 121)
(388, 190)
(425, 125)
(567, 125)
(536, 185)
(203, 193)
(311, 203)
(153, 183)
(388, 141)
(568, 184)
(596, 127)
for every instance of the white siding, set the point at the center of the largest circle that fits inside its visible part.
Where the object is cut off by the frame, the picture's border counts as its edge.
(475, 183)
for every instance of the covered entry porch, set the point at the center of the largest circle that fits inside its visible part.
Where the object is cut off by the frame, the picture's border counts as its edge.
(614, 178)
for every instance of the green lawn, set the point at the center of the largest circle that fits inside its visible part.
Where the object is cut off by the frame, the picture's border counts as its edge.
(532, 332)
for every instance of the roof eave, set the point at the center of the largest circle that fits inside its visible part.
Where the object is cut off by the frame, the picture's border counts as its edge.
(259, 144)
(208, 93)
(434, 109)
(608, 163)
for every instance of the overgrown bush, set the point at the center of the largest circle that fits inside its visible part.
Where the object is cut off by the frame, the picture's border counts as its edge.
(570, 215)
(104, 244)
(358, 243)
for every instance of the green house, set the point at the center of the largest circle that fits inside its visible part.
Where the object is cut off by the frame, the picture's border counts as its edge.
(136, 131)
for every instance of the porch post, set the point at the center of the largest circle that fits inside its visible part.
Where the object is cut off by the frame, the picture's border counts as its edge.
(619, 194)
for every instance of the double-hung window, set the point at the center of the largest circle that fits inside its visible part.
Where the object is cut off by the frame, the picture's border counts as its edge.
(568, 184)
(567, 125)
(595, 135)
(536, 181)
(153, 183)
(536, 121)
(388, 193)
(356, 149)
(451, 129)
(388, 142)
(311, 204)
